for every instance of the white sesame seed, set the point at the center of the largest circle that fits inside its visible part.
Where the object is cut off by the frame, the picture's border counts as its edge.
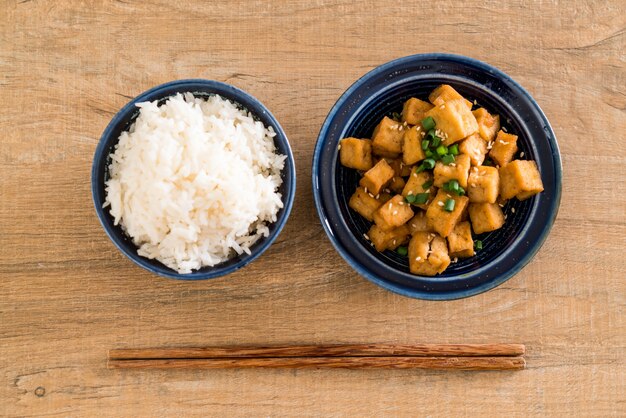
(501, 205)
(365, 188)
(401, 203)
(410, 193)
(418, 258)
(440, 203)
(371, 195)
(505, 216)
(366, 237)
(423, 134)
(452, 164)
(413, 225)
(521, 154)
(504, 142)
(475, 102)
(394, 242)
(389, 206)
(512, 210)
(504, 129)
(395, 212)
(377, 196)
(414, 174)
(339, 147)
(442, 107)
(455, 259)
(472, 185)
(448, 195)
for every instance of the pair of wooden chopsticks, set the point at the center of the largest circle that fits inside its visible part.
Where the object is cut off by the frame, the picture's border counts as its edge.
(352, 356)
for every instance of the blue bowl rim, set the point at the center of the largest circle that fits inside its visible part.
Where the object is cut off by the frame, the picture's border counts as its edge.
(218, 88)
(395, 287)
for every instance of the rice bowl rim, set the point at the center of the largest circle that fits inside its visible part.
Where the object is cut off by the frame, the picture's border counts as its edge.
(200, 88)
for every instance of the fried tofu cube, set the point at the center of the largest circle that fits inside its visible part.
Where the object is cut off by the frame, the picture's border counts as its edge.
(444, 93)
(401, 169)
(412, 151)
(520, 178)
(356, 153)
(388, 240)
(504, 148)
(428, 254)
(393, 213)
(414, 109)
(454, 119)
(377, 177)
(456, 171)
(415, 186)
(387, 138)
(419, 223)
(460, 242)
(475, 148)
(364, 203)
(397, 184)
(485, 217)
(483, 184)
(439, 219)
(488, 124)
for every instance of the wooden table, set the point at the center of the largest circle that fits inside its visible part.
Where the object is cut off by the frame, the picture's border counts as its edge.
(67, 295)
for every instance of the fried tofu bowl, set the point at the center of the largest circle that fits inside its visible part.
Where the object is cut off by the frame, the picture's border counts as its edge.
(437, 176)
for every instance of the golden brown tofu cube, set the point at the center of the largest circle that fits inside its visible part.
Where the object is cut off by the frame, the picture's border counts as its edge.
(460, 241)
(439, 219)
(488, 124)
(504, 148)
(419, 223)
(483, 184)
(520, 178)
(377, 177)
(444, 93)
(393, 213)
(415, 186)
(364, 203)
(458, 170)
(387, 138)
(412, 151)
(454, 119)
(414, 109)
(397, 184)
(485, 217)
(401, 169)
(356, 153)
(475, 148)
(388, 240)
(428, 254)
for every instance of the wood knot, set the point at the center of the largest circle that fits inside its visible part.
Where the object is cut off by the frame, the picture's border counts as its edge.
(40, 391)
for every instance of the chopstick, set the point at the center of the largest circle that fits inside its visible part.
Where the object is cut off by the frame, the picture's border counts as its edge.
(352, 356)
(326, 350)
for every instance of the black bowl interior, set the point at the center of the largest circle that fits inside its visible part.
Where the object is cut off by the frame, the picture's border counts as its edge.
(123, 121)
(381, 93)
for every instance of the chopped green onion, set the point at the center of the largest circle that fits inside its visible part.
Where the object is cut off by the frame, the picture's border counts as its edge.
(410, 198)
(449, 205)
(428, 123)
(478, 244)
(421, 198)
(428, 153)
(436, 141)
(453, 185)
(442, 150)
(425, 144)
(426, 185)
(403, 251)
(396, 116)
(454, 149)
(429, 163)
(447, 159)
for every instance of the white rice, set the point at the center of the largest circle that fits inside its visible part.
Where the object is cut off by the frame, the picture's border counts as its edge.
(194, 181)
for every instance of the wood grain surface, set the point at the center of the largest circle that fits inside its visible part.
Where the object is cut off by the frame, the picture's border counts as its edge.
(67, 295)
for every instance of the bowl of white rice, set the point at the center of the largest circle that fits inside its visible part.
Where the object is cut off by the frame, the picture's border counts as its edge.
(193, 179)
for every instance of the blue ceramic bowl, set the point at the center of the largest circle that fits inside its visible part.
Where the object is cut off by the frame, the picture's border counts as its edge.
(381, 92)
(122, 121)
